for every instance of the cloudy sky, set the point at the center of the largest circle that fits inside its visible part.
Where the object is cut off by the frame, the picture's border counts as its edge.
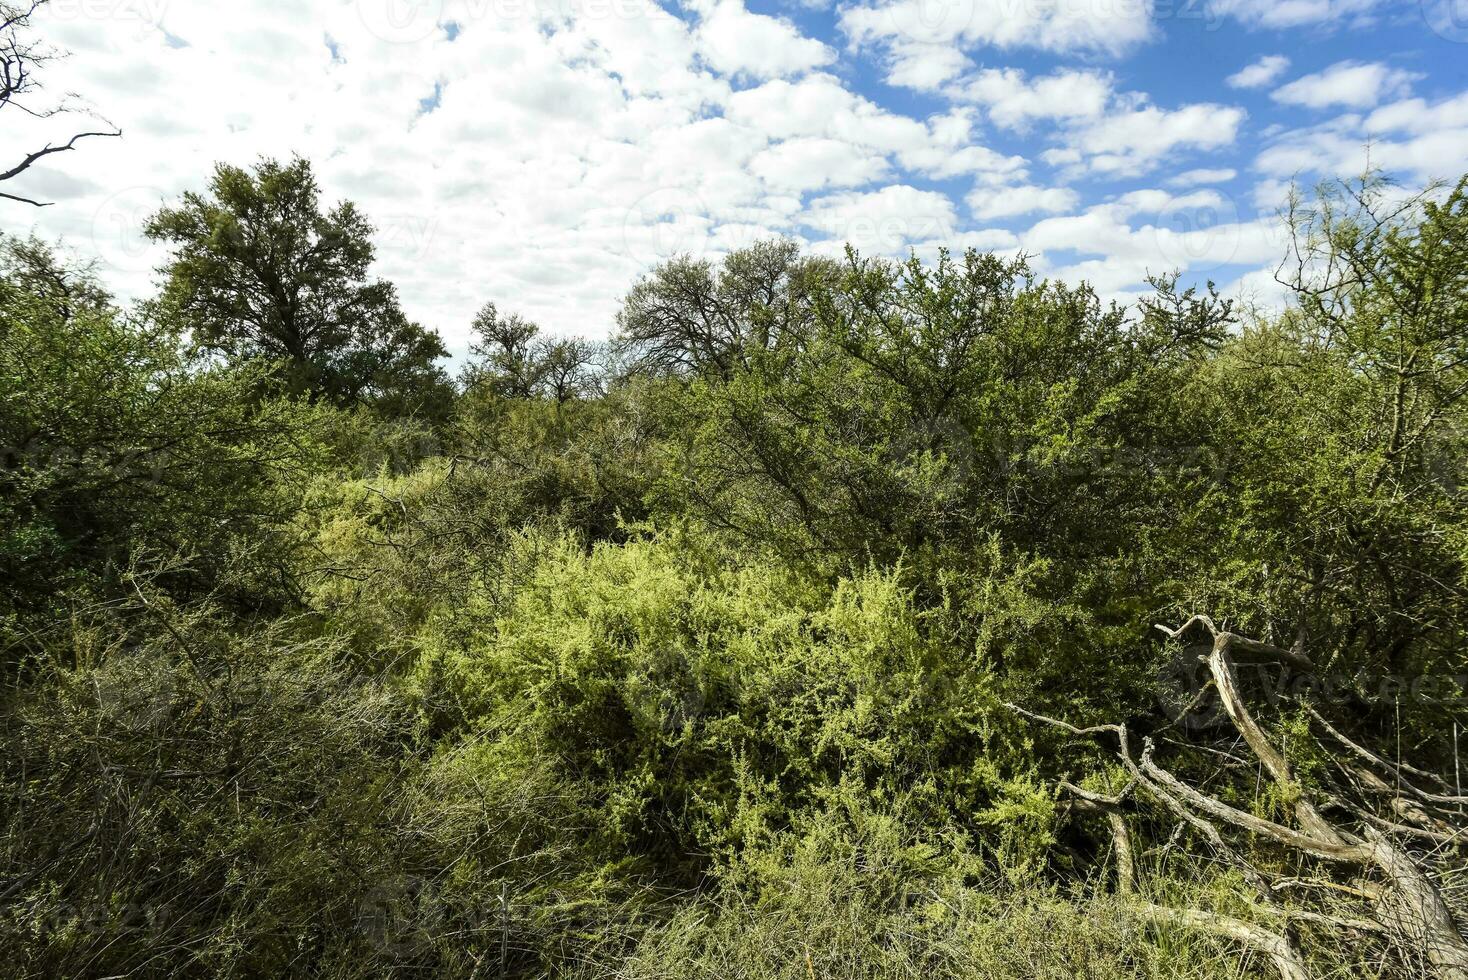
(544, 153)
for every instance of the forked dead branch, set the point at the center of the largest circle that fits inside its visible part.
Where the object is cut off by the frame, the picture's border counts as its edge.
(1378, 834)
(21, 55)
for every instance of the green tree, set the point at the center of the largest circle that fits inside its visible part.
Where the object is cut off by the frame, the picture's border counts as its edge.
(539, 419)
(510, 359)
(1344, 420)
(115, 443)
(919, 406)
(692, 317)
(259, 271)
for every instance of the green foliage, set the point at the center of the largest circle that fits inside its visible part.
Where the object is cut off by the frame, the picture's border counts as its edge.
(259, 272)
(687, 655)
(715, 706)
(586, 462)
(869, 902)
(116, 443)
(212, 797)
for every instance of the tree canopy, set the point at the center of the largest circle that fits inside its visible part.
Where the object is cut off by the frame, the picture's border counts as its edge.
(834, 618)
(260, 271)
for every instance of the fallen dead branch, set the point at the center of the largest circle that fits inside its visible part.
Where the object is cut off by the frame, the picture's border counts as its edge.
(1337, 833)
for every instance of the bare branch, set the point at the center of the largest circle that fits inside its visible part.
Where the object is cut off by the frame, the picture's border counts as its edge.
(1328, 850)
(19, 57)
(24, 200)
(1278, 948)
(1067, 726)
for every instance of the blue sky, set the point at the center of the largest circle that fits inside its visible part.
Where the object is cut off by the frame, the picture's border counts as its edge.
(544, 153)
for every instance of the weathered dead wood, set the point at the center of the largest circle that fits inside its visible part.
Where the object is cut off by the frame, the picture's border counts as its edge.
(1408, 908)
(1274, 945)
(1121, 837)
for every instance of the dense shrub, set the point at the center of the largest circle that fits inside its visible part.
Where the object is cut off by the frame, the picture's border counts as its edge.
(758, 649)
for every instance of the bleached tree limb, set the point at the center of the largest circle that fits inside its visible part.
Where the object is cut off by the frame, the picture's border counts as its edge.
(1310, 844)
(1410, 910)
(1274, 945)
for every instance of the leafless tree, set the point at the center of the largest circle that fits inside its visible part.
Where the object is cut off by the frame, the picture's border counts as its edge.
(1378, 834)
(22, 54)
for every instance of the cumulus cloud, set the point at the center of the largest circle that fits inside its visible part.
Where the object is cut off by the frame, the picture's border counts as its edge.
(735, 41)
(538, 153)
(807, 164)
(925, 67)
(1100, 130)
(911, 32)
(544, 153)
(1010, 201)
(1014, 100)
(1413, 138)
(1260, 73)
(1136, 140)
(1116, 245)
(883, 222)
(1347, 83)
(1417, 116)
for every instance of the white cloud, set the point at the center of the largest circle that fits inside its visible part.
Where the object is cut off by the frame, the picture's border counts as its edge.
(1416, 140)
(574, 143)
(1260, 73)
(807, 164)
(1348, 83)
(569, 148)
(913, 31)
(883, 222)
(1102, 131)
(819, 106)
(734, 41)
(1133, 141)
(924, 67)
(1010, 201)
(1014, 101)
(1116, 245)
(1418, 116)
(1192, 178)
